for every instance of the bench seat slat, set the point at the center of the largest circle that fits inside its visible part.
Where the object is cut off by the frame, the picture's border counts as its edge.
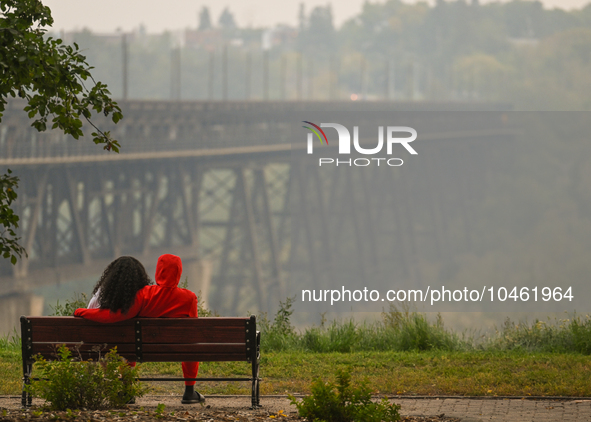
(91, 334)
(190, 322)
(177, 357)
(193, 357)
(126, 334)
(180, 335)
(195, 348)
(156, 322)
(49, 349)
(128, 350)
(70, 321)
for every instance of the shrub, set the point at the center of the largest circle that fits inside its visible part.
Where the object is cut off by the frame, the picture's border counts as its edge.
(413, 331)
(279, 335)
(572, 334)
(581, 332)
(202, 311)
(68, 308)
(343, 403)
(68, 383)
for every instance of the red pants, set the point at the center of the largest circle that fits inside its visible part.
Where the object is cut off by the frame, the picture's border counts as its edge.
(190, 370)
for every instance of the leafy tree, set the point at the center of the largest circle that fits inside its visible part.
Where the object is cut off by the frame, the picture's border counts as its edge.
(9, 246)
(226, 20)
(51, 78)
(204, 19)
(318, 32)
(302, 17)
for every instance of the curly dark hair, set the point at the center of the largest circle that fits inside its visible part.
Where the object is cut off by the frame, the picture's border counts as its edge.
(120, 282)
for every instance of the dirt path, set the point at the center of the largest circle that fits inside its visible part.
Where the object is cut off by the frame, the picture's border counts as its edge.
(236, 408)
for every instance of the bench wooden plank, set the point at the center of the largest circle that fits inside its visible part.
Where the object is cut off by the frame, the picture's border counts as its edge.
(81, 322)
(50, 349)
(130, 356)
(43, 321)
(181, 335)
(91, 334)
(195, 348)
(150, 334)
(192, 322)
(192, 357)
(176, 357)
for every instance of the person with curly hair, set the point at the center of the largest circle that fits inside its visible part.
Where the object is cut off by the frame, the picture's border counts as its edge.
(165, 299)
(119, 284)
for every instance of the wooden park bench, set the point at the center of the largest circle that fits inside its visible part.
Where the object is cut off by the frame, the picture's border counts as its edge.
(146, 340)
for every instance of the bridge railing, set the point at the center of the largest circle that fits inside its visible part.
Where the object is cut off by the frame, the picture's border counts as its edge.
(155, 126)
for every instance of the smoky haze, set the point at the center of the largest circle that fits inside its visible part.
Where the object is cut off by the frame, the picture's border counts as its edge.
(109, 15)
(485, 205)
(519, 52)
(213, 164)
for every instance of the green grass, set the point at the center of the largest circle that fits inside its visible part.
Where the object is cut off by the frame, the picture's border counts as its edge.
(405, 353)
(11, 369)
(473, 373)
(486, 373)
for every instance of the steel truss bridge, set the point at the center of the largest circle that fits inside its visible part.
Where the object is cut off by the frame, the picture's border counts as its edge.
(219, 184)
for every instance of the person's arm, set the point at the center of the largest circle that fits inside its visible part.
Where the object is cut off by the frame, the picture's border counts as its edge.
(105, 315)
(193, 310)
(94, 303)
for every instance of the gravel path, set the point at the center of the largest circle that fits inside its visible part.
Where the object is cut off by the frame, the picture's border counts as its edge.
(236, 408)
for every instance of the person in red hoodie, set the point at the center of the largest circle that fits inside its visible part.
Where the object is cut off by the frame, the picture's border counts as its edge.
(165, 299)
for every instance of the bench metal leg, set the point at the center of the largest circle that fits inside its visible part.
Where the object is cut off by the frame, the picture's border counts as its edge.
(27, 399)
(26, 357)
(255, 397)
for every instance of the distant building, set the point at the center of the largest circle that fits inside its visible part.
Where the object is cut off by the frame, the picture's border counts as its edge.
(279, 36)
(209, 39)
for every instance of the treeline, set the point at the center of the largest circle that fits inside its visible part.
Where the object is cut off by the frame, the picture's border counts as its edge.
(517, 52)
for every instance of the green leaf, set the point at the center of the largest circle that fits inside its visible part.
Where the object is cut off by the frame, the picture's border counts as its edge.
(46, 73)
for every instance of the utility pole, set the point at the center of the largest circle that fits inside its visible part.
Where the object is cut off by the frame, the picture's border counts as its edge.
(175, 74)
(225, 73)
(125, 69)
(247, 75)
(266, 75)
(299, 77)
(283, 78)
(210, 79)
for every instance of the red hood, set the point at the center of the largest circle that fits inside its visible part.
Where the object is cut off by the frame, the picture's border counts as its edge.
(168, 270)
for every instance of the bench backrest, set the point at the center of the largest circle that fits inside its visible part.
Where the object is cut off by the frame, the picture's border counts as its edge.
(144, 339)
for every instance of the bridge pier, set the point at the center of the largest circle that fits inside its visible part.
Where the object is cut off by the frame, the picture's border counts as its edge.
(14, 305)
(198, 274)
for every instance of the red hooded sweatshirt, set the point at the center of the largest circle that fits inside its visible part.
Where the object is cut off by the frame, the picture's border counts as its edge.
(165, 299)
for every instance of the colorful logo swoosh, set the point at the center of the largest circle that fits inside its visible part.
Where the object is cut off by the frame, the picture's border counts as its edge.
(316, 132)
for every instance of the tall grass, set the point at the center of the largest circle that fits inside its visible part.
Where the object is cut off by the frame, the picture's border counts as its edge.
(10, 341)
(405, 330)
(399, 330)
(571, 334)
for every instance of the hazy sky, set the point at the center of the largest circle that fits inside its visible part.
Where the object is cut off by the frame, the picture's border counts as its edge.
(108, 15)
